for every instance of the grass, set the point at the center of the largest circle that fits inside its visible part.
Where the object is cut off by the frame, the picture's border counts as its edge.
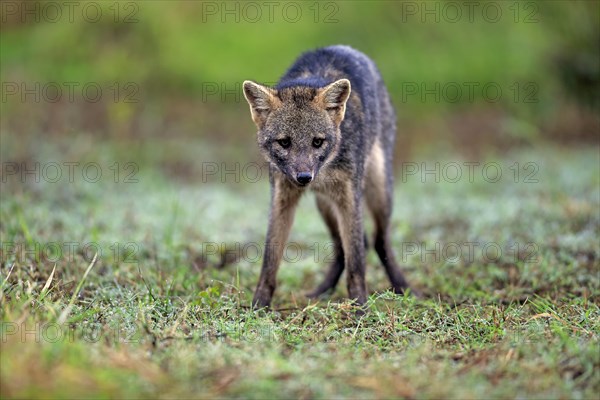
(164, 311)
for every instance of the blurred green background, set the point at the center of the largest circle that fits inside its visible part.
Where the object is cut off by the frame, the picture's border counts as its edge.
(475, 77)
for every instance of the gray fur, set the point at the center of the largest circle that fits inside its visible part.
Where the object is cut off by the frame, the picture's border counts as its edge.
(329, 120)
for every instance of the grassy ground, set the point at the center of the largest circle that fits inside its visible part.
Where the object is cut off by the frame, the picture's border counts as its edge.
(162, 312)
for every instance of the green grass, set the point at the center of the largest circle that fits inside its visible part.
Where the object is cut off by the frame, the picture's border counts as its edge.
(167, 316)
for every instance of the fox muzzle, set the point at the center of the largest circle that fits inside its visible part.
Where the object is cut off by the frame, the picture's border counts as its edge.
(304, 178)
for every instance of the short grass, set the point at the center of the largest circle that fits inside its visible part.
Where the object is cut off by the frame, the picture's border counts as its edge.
(163, 311)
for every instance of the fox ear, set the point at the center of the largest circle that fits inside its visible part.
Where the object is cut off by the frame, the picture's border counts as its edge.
(333, 98)
(261, 98)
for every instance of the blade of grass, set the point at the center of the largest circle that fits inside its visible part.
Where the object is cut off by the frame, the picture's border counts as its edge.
(46, 287)
(67, 310)
(4, 282)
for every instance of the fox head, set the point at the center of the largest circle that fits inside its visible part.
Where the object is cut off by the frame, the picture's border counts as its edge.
(298, 126)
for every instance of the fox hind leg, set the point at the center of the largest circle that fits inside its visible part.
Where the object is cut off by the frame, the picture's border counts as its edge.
(378, 193)
(336, 267)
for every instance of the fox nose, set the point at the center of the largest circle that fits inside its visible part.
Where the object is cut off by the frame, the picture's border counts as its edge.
(304, 178)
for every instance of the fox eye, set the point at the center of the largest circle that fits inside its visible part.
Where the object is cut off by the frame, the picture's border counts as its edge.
(285, 142)
(317, 142)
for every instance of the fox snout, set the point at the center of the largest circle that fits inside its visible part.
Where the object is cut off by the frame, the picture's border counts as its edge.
(304, 178)
(302, 172)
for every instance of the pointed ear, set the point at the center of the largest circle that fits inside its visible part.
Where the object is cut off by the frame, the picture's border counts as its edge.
(262, 100)
(333, 98)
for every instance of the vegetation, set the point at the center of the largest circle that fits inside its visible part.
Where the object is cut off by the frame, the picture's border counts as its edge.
(132, 231)
(166, 315)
